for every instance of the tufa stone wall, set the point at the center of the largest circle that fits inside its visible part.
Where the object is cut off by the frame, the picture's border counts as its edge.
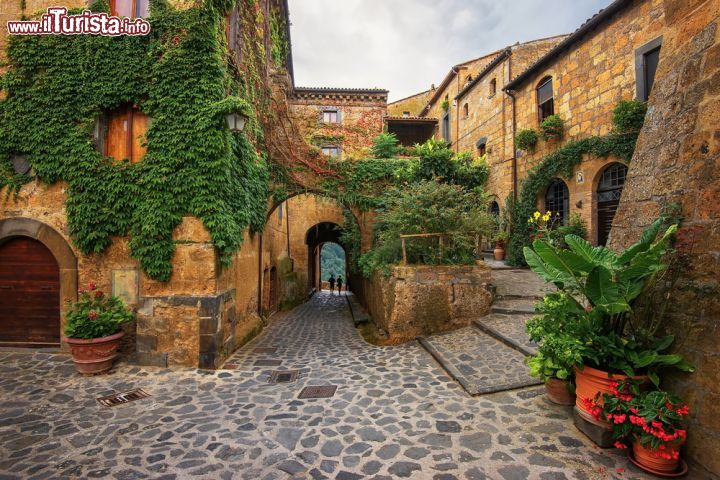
(425, 299)
(589, 80)
(677, 160)
(360, 119)
(489, 113)
(413, 104)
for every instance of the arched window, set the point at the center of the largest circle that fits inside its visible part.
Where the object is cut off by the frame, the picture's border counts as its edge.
(493, 87)
(609, 191)
(466, 110)
(494, 208)
(545, 102)
(557, 201)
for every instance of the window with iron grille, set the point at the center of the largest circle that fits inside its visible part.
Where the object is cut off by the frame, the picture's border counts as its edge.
(557, 200)
(612, 182)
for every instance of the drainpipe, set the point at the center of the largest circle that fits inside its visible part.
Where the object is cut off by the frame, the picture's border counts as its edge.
(457, 111)
(260, 273)
(287, 221)
(511, 94)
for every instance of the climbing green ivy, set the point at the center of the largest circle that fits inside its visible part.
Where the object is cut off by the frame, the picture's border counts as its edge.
(279, 45)
(560, 163)
(182, 76)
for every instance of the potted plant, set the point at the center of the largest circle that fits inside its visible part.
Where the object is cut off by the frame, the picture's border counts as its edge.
(556, 355)
(93, 330)
(652, 422)
(601, 287)
(501, 239)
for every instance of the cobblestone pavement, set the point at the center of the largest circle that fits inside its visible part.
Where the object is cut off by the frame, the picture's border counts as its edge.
(395, 414)
(481, 363)
(518, 282)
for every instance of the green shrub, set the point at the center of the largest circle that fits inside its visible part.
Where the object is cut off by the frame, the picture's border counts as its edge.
(576, 226)
(629, 116)
(96, 315)
(385, 145)
(526, 139)
(552, 127)
(428, 207)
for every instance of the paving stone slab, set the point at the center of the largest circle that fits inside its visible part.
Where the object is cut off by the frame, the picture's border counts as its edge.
(481, 363)
(509, 329)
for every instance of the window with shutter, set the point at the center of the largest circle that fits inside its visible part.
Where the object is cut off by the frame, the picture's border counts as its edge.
(545, 99)
(120, 134)
(647, 59)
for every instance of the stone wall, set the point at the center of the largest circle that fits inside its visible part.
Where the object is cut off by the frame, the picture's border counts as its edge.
(677, 160)
(589, 80)
(412, 104)
(425, 299)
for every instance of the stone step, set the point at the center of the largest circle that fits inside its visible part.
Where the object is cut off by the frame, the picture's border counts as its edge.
(479, 362)
(509, 329)
(518, 306)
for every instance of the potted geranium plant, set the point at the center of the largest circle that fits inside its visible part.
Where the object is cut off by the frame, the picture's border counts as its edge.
(601, 287)
(652, 422)
(93, 330)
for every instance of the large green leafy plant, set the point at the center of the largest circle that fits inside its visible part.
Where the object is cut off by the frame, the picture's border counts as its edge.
(96, 315)
(601, 287)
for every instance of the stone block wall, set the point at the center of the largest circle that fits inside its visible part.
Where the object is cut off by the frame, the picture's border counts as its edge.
(413, 104)
(677, 161)
(425, 299)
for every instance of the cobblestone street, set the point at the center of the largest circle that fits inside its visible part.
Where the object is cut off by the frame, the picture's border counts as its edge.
(395, 414)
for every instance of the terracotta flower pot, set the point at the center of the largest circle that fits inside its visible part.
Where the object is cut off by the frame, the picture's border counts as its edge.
(559, 391)
(591, 381)
(649, 458)
(499, 253)
(95, 355)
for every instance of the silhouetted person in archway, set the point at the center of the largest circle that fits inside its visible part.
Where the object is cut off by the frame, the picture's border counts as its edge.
(331, 281)
(339, 283)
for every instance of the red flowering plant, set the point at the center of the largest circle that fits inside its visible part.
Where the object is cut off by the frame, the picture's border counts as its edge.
(654, 418)
(95, 315)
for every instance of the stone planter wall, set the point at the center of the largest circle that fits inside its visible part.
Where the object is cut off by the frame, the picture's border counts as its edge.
(425, 299)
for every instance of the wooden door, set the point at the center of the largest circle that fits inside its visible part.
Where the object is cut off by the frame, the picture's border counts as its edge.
(29, 294)
(606, 213)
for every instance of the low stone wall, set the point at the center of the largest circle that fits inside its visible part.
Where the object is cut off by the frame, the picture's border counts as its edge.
(425, 299)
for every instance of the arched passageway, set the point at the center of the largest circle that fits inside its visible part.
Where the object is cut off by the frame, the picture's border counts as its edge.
(316, 238)
(333, 263)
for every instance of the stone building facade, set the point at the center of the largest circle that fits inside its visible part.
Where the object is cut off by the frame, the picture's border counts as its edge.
(676, 161)
(588, 74)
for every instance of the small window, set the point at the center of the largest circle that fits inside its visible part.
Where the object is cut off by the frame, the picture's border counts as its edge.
(331, 151)
(647, 59)
(557, 201)
(120, 134)
(331, 116)
(482, 149)
(545, 99)
(468, 79)
(446, 127)
(232, 31)
(406, 114)
(130, 8)
(493, 87)
(466, 111)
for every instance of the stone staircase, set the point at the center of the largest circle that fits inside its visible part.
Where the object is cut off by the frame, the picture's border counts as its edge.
(490, 357)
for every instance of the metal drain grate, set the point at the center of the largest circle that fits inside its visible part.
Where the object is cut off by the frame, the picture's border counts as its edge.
(269, 350)
(284, 376)
(324, 391)
(267, 363)
(122, 397)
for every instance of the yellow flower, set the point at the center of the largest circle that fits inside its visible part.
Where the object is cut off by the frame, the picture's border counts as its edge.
(536, 215)
(548, 213)
(546, 217)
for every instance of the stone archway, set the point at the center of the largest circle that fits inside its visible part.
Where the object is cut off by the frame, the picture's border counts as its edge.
(11, 228)
(316, 236)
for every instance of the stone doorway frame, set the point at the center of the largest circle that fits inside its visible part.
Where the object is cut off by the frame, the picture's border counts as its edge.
(58, 246)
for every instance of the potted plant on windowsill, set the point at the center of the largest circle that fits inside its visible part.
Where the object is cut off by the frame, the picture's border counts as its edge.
(601, 288)
(93, 330)
(652, 422)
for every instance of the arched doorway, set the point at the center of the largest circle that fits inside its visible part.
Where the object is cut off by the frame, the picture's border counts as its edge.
(38, 274)
(609, 190)
(557, 200)
(494, 208)
(332, 263)
(316, 237)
